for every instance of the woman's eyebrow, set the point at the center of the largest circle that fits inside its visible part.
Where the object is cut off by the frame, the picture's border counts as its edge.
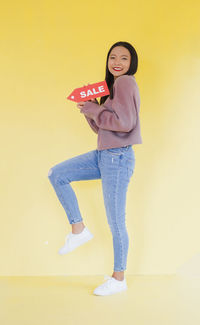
(120, 55)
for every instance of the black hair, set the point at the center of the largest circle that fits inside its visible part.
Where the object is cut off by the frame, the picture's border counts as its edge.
(131, 71)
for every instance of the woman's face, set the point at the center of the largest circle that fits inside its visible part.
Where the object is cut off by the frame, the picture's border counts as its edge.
(120, 58)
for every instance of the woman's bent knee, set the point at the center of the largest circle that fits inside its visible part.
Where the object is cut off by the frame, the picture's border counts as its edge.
(50, 172)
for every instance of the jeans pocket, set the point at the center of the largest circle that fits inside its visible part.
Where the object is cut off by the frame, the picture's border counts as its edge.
(128, 162)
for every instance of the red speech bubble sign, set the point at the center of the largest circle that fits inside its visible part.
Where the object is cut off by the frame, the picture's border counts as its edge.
(85, 93)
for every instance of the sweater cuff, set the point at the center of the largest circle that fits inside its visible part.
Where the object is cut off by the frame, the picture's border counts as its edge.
(91, 109)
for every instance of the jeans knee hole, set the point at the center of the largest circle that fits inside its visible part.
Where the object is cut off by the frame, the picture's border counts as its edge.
(50, 172)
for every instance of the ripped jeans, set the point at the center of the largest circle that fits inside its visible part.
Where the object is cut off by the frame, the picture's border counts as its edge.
(114, 167)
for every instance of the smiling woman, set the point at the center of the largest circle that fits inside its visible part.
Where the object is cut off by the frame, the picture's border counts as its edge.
(116, 120)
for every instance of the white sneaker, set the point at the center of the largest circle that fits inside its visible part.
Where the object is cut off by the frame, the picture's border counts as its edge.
(110, 287)
(73, 241)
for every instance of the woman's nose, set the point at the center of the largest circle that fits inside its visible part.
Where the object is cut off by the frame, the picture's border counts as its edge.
(117, 63)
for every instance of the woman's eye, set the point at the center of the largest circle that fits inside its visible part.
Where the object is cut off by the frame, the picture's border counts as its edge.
(123, 58)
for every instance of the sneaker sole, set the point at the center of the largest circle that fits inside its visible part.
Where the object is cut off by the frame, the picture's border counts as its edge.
(107, 294)
(83, 241)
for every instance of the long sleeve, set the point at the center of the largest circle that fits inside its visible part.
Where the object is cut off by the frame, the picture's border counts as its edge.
(92, 124)
(122, 115)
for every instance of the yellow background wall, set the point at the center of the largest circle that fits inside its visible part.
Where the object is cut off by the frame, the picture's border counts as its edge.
(48, 48)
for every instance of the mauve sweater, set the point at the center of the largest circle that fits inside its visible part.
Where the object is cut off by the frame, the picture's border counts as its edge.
(117, 120)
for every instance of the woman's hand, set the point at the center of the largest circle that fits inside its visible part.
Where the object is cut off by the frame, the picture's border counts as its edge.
(94, 100)
(80, 104)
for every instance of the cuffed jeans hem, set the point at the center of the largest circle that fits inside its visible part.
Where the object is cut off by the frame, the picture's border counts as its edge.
(121, 270)
(74, 222)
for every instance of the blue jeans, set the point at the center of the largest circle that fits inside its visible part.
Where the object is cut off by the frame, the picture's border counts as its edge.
(115, 167)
